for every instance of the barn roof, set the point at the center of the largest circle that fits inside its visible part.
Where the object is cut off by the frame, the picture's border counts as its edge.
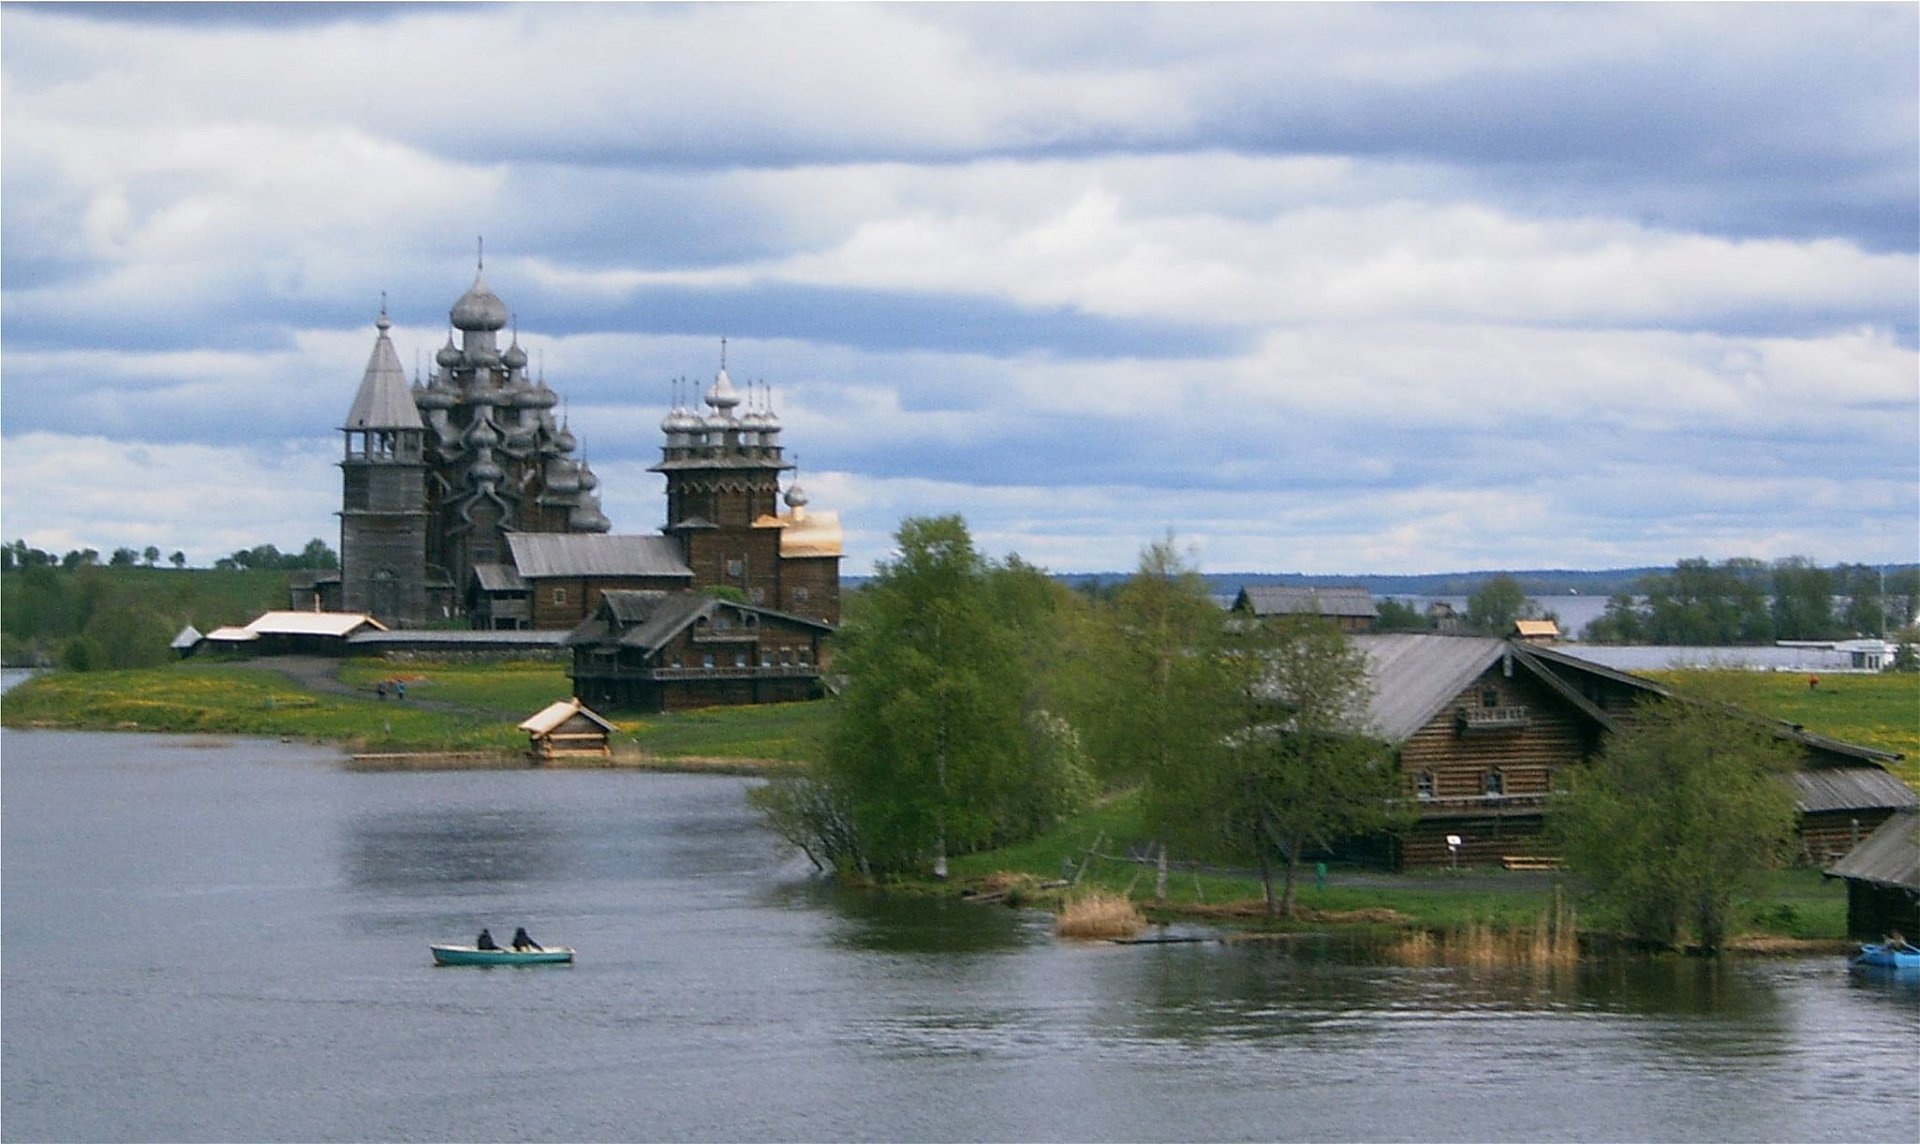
(1850, 788)
(545, 554)
(1278, 600)
(555, 715)
(189, 637)
(1890, 856)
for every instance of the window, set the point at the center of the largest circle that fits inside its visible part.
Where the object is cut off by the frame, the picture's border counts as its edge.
(1423, 785)
(706, 661)
(799, 595)
(559, 595)
(1496, 783)
(736, 566)
(766, 659)
(1490, 697)
(739, 659)
(801, 656)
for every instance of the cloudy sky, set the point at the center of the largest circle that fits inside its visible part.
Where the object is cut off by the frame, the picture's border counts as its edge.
(1318, 288)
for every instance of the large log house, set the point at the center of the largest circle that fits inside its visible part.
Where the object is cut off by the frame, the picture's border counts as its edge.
(1481, 727)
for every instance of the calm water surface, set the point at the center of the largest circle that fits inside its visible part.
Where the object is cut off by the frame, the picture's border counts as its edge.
(223, 940)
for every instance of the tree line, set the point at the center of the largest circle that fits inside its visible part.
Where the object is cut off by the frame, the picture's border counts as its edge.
(19, 556)
(78, 612)
(1748, 601)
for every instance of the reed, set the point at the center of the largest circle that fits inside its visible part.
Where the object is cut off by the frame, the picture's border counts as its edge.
(1099, 915)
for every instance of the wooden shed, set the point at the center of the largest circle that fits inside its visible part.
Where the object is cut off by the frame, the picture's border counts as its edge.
(567, 728)
(1883, 880)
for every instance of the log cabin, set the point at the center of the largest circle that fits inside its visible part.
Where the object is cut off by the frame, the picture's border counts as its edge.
(1482, 728)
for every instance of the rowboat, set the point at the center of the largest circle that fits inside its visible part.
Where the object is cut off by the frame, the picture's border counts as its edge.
(473, 955)
(1889, 955)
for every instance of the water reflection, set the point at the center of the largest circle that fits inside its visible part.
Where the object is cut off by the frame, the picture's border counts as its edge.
(911, 923)
(417, 851)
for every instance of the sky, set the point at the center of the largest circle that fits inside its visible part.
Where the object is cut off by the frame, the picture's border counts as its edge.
(1310, 288)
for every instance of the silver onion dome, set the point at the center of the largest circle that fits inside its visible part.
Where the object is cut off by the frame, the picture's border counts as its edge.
(479, 308)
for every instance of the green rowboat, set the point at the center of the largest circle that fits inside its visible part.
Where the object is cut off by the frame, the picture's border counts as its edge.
(471, 955)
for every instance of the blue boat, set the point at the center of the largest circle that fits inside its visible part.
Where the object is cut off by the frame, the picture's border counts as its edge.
(1898, 955)
(473, 955)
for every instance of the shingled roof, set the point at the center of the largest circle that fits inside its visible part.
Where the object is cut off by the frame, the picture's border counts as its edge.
(1890, 856)
(1276, 600)
(539, 555)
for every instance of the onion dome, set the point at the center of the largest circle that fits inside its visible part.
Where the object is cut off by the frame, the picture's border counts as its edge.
(482, 436)
(434, 397)
(514, 357)
(519, 436)
(540, 397)
(564, 440)
(796, 496)
(587, 517)
(723, 397)
(588, 482)
(449, 356)
(562, 477)
(484, 471)
(479, 308)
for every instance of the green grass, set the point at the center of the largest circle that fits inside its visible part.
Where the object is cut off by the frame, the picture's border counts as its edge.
(1796, 903)
(212, 698)
(511, 689)
(1880, 710)
(488, 700)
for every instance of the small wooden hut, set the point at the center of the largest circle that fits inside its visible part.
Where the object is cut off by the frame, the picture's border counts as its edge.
(567, 728)
(1883, 880)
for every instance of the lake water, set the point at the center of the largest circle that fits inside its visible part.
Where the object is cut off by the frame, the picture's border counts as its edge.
(211, 939)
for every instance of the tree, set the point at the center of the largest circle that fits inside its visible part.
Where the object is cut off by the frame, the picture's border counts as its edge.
(178, 560)
(1496, 604)
(150, 556)
(1802, 600)
(928, 753)
(1135, 682)
(1673, 821)
(1292, 769)
(1866, 612)
(1622, 623)
(123, 558)
(1396, 616)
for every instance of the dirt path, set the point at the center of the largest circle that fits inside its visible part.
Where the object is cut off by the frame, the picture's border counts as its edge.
(322, 674)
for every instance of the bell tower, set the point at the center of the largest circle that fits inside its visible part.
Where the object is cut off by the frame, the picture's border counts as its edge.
(383, 517)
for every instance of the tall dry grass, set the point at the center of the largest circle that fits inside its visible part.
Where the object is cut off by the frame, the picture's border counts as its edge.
(1553, 940)
(1099, 916)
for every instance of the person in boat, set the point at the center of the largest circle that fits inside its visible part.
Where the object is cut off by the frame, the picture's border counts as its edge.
(522, 942)
(485, 940)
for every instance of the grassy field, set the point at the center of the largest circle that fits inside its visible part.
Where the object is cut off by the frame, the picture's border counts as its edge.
(1872, 710)
(226, 699)
(449, 707)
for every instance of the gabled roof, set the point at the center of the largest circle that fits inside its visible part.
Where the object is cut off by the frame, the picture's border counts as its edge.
(1278, 600)
(543, 554)
(555, 715)
(1890, 856)
(1536, 629)
(339, 624)
(648, 620)
(188, 637)
(1414, 676)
